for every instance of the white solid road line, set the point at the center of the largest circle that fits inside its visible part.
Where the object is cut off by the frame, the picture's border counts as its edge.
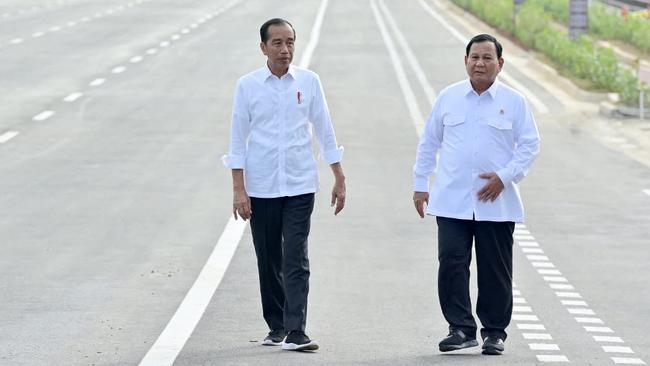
(405, 86)
(181, 326)
(410, 56)
(305, 59)
(172, 340)
(647, 191)
(5, 137)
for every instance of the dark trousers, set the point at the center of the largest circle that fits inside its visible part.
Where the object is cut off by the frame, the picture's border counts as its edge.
(280, 228)
(493, 242)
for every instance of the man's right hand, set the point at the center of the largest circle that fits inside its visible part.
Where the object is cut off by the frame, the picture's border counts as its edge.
(241, 204)
(419, 199)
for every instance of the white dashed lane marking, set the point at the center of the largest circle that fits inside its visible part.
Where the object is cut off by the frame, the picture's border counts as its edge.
(72, 97)
(97, 82)
(43, 116)
(5, 137)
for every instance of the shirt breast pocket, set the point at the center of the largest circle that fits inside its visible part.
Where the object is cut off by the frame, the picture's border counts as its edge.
(500, 130)
(453, 126)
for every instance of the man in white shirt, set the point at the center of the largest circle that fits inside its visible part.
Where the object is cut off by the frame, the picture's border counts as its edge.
(486, 140)
(275, 177)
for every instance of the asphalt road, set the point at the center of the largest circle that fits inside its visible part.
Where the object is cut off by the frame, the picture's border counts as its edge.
(114, 116)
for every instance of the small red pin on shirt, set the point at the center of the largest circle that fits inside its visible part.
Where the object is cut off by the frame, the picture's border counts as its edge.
(299, 95)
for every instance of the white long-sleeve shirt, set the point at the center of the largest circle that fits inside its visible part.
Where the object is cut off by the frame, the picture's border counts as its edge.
(475, 134)
(271, 132)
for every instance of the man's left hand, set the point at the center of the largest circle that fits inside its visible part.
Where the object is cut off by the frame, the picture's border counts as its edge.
(492, 189)
(338, 195)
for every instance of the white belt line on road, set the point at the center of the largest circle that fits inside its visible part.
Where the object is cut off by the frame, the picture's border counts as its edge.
(181, 326)
(588, 315)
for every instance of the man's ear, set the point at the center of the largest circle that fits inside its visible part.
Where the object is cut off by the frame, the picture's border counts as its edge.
(501, 62)
(263, 48)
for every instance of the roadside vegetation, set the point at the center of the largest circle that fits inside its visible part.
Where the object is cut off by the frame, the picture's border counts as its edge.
(535, 26)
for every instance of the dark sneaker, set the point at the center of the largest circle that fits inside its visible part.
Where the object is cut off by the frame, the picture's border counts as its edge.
(493, 345)
(297, 340)
(455, 340)
(274, 338)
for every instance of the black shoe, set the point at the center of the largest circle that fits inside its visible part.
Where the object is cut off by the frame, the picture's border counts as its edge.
(455, 340)
(297, 340)
(274, 338)
(493, 345)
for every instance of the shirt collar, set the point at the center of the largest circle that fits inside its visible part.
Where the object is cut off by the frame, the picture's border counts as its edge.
(492, 90)
(265, 72)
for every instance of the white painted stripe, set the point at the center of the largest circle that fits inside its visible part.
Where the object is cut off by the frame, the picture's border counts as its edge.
(185, 31)
(410, 57)
(194, 25)
(516, 292)
(118, 70)
(537, 336)
(170, 342)
(581, 311)
(71, 24)
(589, 320)
(5, 137)
(524, 237)
(164, 44)
(405, 86)
(561, 286)
(552, 358)
(543, 264)
(525, 317)
(72, 97)
(152, 51)
(599, 329)
(536, 257)
(519, 300)
(55, 29)
(43, 116)
(544, 271)
(627, 361)
(97, 82)
(647, 191)
(544, 347)
(135, 59)
(85, 19)
(16, 41)
(38, 34)
(574, 295)
(522, 309)
(608, 339)
(520, 226)
(524, 326)
(532, 250)
(528, 244)
(555, 279)
(617, 349)
(314, 37)
(521, 232)
(175, 37)
(574, 303)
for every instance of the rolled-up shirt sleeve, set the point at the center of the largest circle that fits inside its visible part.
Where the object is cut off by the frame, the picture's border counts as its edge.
(527, 143)
(430, 141)
(319, 116)
(239, 131)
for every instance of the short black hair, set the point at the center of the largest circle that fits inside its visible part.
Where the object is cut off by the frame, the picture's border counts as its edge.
(485, 38)
(264, 29)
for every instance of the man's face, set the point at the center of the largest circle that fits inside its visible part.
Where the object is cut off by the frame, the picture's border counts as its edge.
(482, 63)
(279, 46)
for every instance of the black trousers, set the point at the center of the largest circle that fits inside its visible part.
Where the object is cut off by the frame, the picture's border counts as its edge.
(280, 228)
(493, 242)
